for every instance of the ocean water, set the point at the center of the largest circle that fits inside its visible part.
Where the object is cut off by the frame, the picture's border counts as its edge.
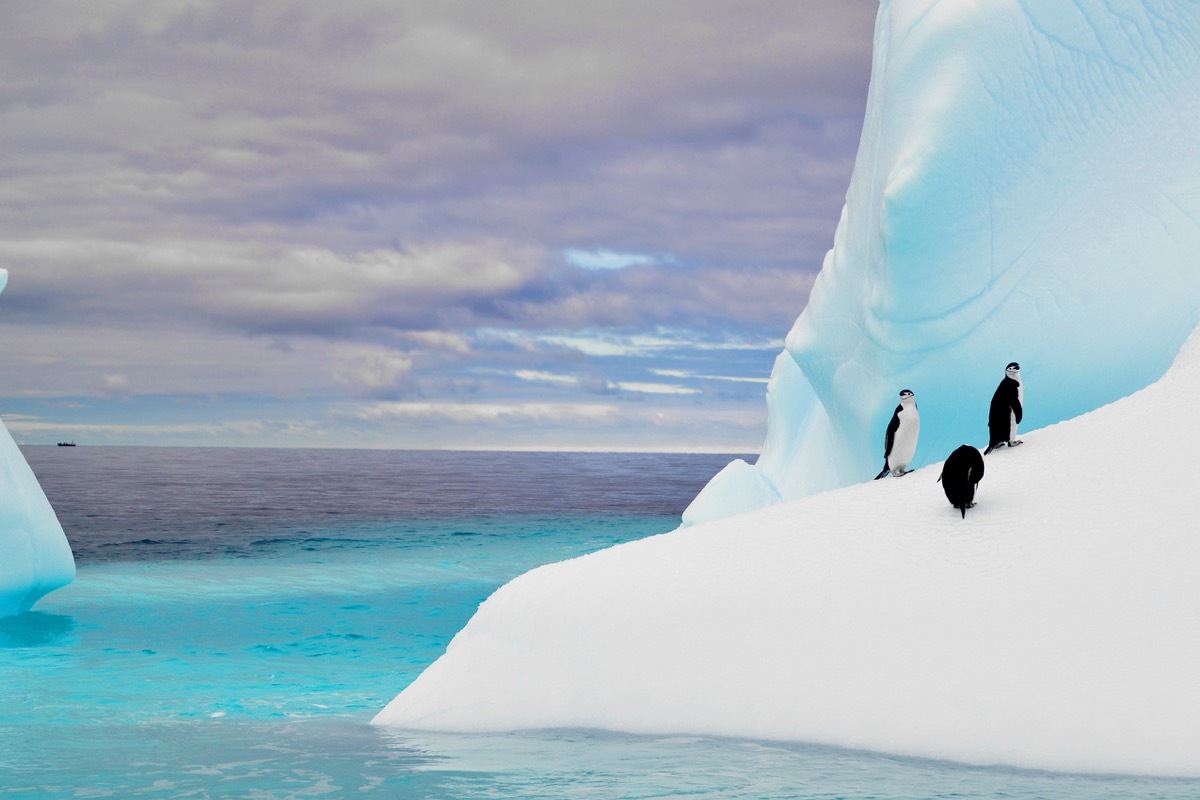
(240, 615)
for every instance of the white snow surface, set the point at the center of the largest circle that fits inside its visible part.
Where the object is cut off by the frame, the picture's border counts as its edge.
(35, 557)
(1055, 627)
(1027, 188)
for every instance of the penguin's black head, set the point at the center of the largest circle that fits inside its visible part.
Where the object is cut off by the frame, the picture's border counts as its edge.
(906, 393)
(1013, 366)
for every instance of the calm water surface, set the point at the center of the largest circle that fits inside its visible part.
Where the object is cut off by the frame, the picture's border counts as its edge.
(240, 615)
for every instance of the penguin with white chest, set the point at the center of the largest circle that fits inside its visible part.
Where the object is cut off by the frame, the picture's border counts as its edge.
(901, 441)
(1006, 410)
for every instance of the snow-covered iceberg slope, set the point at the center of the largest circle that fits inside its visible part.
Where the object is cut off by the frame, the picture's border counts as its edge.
(1027, 188)
(1055, 627)
(35, 558)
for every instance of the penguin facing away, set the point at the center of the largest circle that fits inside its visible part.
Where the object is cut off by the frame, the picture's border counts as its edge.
(1005, 412)
(901, 440)
(960, 477)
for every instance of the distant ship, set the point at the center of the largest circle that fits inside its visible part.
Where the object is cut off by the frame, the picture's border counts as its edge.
(66, 444)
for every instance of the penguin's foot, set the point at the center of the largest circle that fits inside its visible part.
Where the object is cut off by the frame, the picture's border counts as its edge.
(970, 505)
(899, 473)
(1015, 442)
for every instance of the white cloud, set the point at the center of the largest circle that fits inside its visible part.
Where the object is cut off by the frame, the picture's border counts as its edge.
(679, 373)
(115, 384)
(239, 429)
(448, 341)
(372, 371)
(617, 343)
(479, 412)
(547, 377)
(605, 259)
(654, 388)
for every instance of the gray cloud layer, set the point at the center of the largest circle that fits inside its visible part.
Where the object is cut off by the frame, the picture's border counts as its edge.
(398, 175)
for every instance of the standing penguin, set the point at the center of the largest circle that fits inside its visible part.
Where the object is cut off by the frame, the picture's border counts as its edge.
(1005, 412)
(901, 440)
(960, 477)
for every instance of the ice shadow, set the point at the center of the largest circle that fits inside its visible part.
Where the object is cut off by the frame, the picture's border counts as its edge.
(35, 629)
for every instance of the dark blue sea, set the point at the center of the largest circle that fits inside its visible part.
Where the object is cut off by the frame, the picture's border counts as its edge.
(240, 615)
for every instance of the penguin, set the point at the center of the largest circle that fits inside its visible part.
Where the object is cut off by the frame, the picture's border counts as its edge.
(901, 440)
(960, 477)
(1005, 412)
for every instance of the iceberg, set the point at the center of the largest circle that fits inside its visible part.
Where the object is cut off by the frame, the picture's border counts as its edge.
(1052, 628)
(1027, 188)
(36, 556)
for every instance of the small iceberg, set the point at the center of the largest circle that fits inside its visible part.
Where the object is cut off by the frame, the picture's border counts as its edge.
(36, 557)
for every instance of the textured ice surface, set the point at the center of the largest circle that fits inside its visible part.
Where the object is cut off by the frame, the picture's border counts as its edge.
(1054, 627)
(1027, 188)
(34, 555)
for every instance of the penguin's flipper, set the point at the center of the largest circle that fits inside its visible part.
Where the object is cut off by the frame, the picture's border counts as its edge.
(893, 426)
(885, 471)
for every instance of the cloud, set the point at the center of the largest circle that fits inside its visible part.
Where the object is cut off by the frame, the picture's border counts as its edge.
(526, 426)
(373, 200)
(428, 294)
(696, 297)
(257, 288)
(185, 362)
(654, 388)
(555, 426)
(605, 259)
(682, 373)
(447, 341)
(115, 384)
(600, 385)
(224, 433)
(606, 122)
(638, 343)
(481, 412)
(374, 372)
(546, 377)
(424, 165)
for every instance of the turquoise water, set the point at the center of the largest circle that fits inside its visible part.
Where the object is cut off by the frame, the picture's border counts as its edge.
(239, 617)
(166, 676)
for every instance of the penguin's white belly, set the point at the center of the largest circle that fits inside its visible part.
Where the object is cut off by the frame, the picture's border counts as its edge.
(1012, 416)
(904, 445)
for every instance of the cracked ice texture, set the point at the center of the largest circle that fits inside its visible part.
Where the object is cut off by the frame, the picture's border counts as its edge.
(1027, 188)
(35, 558)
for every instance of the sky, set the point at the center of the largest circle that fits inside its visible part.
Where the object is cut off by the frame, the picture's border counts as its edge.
(518, 225)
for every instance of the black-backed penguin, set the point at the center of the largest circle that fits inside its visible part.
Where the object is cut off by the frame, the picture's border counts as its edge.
(960, 477)
(1005, 412)
(901, 440)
